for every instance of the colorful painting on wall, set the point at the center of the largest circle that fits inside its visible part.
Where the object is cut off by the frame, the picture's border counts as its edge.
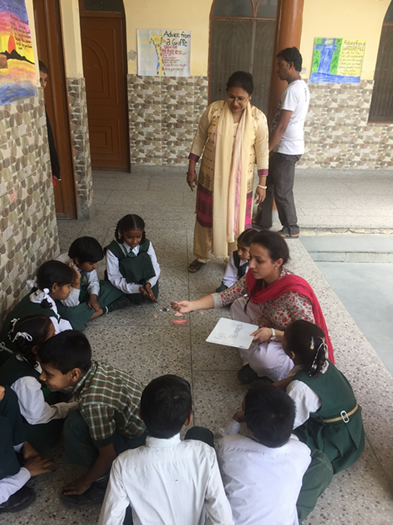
(337, 60)
(17, 70)
(162, 52)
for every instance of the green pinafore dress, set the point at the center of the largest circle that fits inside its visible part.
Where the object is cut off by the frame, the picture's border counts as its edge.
(343, 440)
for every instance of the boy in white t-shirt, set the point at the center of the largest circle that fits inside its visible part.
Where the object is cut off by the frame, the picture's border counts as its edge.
(286, 143)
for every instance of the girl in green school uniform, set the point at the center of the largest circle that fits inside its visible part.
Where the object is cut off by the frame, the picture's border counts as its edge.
(53, 283)
(42, 411)
(328, 416)
(132, 265)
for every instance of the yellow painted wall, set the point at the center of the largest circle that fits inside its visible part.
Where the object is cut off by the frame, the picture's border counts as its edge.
(353, 19)
(172, 14)
(71, 38)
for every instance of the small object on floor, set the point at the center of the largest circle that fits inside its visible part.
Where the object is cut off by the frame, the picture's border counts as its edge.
(155, 316)
(165, 309)
(287, 235)
(92, 496)
(202, 313)
(118, 304)
(179, 321)
(19, 501)
(178, 314)
(195, 266)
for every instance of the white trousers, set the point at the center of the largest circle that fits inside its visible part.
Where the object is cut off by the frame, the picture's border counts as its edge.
(266, 359)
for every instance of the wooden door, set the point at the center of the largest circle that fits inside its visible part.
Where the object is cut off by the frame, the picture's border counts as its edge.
(50, 51)
(105, 71)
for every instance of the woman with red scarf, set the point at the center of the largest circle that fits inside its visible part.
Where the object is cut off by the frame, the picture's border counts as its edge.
(276, 297)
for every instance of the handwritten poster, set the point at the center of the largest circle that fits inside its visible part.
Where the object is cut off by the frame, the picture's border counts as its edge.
(337, 60)
(164, 52)
(232, 333)
(17, 71)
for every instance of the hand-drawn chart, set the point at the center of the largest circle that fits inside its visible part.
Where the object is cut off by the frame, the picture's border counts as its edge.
(337, 60)
(164, 52)
(228, 332)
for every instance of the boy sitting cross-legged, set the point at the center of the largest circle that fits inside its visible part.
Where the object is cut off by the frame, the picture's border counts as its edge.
(107, 422)
(269, 475)
(168, 481)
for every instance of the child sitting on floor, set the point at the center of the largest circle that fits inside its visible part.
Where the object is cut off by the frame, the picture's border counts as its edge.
(107, 422)
(14, 495)
(263, 469)
(90, 297)
(328, 417)
(53, 283)
(168, 481)
(132, 265)
(237, 265)
(42, 411)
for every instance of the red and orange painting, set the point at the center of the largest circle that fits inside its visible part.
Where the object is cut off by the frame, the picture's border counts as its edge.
(17, 70)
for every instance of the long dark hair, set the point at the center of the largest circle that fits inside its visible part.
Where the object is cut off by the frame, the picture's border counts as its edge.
(28, 332)
(277, 249)
(307, 341)
(127, 223)
(50, 273)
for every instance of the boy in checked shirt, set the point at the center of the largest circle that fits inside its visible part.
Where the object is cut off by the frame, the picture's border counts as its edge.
(107, 422)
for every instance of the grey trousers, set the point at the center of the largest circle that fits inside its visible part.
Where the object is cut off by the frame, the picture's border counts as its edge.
(280, 186)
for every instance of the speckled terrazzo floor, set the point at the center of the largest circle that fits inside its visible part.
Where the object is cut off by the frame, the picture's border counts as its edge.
(146, 346)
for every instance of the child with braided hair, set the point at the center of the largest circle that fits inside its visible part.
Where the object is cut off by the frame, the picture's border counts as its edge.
(328, 418)
(52, 284)
(42, 411)
(132, 265)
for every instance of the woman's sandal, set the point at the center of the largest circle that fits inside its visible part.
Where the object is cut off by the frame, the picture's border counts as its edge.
(286, 235)
(195, 266)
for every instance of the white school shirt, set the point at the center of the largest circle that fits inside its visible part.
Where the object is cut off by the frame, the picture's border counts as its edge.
(262, 483)
(11, 484)
(231, 272)
(295, 98)
(32, 404)
(93, 287)
(115, 277)
(306, 400)
(167, 481)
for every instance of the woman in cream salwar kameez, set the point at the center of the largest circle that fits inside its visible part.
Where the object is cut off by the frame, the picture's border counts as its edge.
(232, 135)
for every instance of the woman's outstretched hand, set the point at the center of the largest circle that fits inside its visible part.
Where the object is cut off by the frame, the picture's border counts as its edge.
(182, 307)
(261, 335)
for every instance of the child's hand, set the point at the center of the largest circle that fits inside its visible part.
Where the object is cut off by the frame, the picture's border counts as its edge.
(38, 465)
(239, 416)
(93, 303)
(76, 281)
(78, 486)
(182, 306)
(261, 335)
(147, 292)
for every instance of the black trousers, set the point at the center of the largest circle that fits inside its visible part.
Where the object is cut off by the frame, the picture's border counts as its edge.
(280, 186)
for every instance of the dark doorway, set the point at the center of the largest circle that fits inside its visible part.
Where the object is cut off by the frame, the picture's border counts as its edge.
(105, 70)
(50, 51)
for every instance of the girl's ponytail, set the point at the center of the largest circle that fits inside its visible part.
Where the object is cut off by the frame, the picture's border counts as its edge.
(307, 341)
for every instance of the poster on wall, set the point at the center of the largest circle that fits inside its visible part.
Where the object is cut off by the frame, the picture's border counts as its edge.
(17, 70)
(337, 60)
(164, 52)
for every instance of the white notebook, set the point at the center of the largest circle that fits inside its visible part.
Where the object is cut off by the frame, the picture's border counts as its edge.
(232, 333)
